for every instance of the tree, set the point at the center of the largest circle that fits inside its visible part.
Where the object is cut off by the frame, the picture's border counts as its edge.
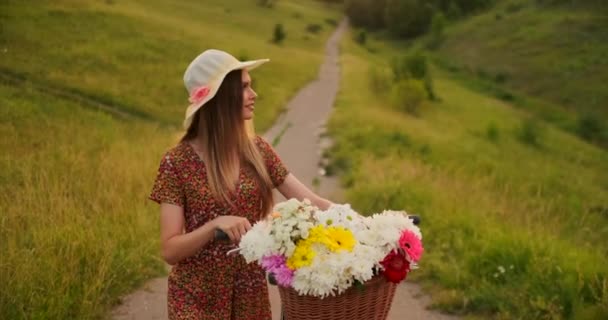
(408, 18)
(366, 13)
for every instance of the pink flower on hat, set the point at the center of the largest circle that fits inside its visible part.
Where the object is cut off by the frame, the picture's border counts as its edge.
(199, 94)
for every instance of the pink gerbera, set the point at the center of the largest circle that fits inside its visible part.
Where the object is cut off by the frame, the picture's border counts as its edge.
(411, 244)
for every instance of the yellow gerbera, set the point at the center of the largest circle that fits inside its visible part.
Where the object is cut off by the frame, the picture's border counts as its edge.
(318, 234)
(302, 256)
(340, 239)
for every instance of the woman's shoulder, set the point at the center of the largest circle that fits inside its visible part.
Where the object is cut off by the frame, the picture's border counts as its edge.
(261, 142)
(177, 153)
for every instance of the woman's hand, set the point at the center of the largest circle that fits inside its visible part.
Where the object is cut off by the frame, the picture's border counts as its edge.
(235, 227)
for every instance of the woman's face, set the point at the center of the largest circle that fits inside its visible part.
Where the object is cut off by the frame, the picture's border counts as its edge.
(248, 96)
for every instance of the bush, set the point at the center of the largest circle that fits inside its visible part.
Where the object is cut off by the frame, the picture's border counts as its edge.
(379, 80)
(437, 34)
(266, 3)
(414, 66)
(492, 132)
(278, 34)
(501, 77)
(591, 128)
(408, 96)
(529, 132)
(408, 18)
(361, 37)
(453, 10)
(429, 87)
(331, 22)
(313, 28)
(366, 13)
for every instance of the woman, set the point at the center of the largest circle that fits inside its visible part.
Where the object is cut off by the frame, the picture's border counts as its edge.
(220, 176)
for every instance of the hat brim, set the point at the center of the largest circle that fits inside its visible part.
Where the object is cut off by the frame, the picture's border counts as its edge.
(215, 85)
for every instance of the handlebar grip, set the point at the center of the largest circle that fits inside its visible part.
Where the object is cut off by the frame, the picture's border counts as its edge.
(415, 219)
(220, 235)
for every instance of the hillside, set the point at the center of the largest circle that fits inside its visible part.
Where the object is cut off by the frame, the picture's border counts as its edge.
(554, 56)
(513, 208)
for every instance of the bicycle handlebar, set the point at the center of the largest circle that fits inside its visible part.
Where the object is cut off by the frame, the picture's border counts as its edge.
(222, 236)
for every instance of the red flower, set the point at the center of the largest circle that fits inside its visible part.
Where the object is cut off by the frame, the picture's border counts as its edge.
(396, 267)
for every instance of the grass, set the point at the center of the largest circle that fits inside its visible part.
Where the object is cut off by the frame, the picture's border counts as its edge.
(552, 53)
(92, 97)
(76, 227)
(136, 52)
(514, 220)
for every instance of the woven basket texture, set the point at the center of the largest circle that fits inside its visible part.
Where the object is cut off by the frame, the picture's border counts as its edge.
(372, 301)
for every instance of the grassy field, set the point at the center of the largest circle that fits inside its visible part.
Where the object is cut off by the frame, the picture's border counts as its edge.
(513, 230)
(92, 95)
(133, 53)
(555, 53)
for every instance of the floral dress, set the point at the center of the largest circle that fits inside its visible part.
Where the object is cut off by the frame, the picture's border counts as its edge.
(210, 284)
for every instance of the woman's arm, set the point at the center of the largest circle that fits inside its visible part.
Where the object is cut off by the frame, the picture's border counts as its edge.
(293, 188)
(177, 245)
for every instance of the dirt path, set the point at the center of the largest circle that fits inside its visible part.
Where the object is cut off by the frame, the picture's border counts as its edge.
(300, 129)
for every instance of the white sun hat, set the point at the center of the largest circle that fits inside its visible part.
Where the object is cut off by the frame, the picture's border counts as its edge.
(205, 74)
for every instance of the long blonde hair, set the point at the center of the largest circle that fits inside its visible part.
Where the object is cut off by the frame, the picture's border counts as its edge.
(220, 127)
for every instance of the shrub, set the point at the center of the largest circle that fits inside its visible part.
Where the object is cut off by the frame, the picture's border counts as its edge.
(313, 28)
(408, 18)
(366, 13)
(417, 65)
(429, 87)
(501, 77)
(331, 22)
(409, 66)
(414, 66)
(437, 35)
(591, 128)
(529, 132)
(492, 132)
(361, 37)
(266, 3)
(408, 96)
(379, 80)
(278, 34)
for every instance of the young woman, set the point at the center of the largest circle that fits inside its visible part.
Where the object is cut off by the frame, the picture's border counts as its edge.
(220, 176)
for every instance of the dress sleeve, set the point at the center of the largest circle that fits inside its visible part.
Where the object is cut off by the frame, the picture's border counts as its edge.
(167, 188)
(277, 171)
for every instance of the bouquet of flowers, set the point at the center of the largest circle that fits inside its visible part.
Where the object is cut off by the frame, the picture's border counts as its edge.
(322, 253)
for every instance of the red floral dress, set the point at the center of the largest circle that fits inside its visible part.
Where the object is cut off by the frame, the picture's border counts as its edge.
(210, 284)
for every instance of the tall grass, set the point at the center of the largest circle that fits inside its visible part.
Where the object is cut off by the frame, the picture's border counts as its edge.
(512, 230)
(76, 229)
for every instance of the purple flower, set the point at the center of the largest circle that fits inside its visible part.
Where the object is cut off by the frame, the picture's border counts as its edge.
(284, 276)
(276, 264)
(272, 262)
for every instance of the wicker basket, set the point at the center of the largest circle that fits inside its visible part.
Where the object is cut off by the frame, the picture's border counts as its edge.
(371, 302)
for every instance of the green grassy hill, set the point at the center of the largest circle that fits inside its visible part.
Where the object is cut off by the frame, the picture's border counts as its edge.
(512, 229)
(134, 53)
(556, 56)
(91, 95)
